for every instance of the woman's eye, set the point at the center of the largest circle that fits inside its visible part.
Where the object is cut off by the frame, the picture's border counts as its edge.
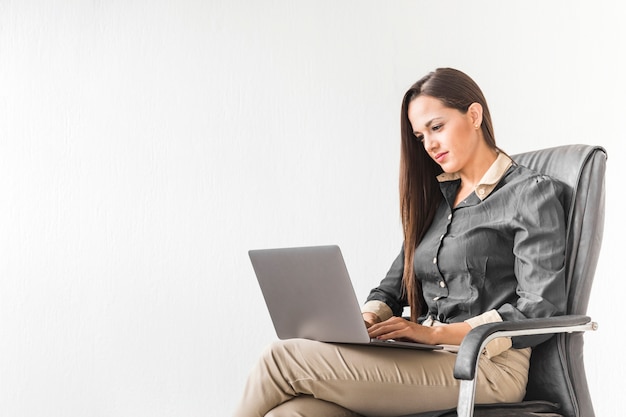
(420, 138)
(437, 127)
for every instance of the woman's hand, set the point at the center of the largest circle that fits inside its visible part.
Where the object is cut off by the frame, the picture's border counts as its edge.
(402, 329)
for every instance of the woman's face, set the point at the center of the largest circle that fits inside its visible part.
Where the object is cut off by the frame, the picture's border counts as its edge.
(450, 137)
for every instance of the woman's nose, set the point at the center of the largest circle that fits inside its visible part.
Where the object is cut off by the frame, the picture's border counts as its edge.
(429, 143)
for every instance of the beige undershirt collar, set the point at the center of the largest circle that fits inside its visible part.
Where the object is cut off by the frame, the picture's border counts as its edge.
(491, 178)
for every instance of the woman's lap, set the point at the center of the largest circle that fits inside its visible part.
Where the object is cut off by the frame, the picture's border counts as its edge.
(366, 380)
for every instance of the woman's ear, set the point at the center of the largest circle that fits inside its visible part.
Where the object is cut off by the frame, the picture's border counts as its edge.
(475, 112)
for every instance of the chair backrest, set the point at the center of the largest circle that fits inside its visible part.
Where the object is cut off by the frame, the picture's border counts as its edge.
(557, 370)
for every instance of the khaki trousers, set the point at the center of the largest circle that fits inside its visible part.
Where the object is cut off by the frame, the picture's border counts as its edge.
(304, 378)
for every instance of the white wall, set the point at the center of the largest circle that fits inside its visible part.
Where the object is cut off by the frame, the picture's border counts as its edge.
(145, 146)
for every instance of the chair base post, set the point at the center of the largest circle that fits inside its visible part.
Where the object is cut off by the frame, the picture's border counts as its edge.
(465, 406)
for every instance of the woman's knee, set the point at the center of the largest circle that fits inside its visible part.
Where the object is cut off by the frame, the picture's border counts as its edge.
(290, 350)
(280, 350)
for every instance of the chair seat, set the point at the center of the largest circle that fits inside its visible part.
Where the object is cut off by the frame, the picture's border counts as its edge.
(523, 409)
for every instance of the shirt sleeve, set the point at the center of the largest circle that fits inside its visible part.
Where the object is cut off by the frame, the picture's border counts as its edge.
(539, 249)
(379, 308)
(389, 291)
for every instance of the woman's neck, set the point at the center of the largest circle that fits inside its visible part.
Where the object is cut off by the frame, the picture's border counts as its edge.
(471, 176)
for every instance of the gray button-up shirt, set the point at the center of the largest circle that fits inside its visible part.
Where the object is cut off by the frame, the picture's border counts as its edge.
(502, 249)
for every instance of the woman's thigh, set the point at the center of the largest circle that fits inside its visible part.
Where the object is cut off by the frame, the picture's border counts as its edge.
(369, 380)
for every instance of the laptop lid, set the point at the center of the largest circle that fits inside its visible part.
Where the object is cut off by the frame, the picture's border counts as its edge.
(309, 295)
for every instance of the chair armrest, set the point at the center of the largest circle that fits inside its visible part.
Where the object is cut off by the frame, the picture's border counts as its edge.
(475, 341)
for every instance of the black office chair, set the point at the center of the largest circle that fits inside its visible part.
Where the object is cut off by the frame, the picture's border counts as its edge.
(557, 385)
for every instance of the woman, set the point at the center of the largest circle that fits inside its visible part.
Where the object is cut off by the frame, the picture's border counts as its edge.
(484, 241)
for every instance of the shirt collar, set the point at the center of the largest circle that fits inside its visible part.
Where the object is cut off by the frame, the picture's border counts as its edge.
(491, 178)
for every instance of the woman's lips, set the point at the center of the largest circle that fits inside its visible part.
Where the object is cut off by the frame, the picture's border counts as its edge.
(439, 157)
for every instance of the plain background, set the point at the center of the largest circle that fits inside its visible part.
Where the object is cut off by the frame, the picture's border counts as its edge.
(146, 145)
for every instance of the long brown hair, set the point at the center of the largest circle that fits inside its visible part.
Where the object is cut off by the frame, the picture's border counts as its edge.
(419, 189)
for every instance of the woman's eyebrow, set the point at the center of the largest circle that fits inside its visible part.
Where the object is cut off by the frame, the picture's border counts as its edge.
(433, 120)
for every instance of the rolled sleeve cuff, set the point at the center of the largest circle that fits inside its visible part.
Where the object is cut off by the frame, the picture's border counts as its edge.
(496, 346)
(379, 308)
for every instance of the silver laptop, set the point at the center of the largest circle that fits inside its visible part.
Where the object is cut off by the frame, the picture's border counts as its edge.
(309, 295)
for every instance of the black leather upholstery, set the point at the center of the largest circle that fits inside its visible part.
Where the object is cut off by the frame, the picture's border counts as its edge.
(557, 382)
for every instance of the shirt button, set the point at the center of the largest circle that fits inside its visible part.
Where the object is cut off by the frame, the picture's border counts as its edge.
(442, 284)
(435, 260)
(441, 237)
(449, 216)
(481, 191)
